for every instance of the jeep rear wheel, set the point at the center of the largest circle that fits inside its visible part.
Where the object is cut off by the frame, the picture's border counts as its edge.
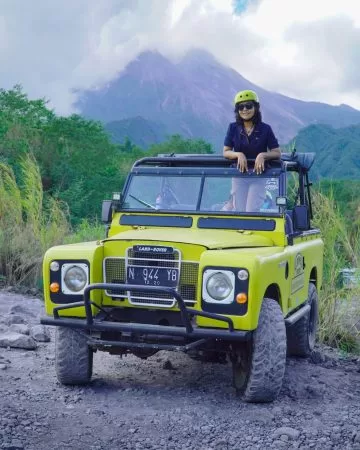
(301, 336)
(258, 374)
(73, 356)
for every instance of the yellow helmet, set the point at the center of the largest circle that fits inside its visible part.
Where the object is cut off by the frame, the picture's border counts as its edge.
(243, 96)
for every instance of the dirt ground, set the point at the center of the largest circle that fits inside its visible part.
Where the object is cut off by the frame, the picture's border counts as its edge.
(169, 401)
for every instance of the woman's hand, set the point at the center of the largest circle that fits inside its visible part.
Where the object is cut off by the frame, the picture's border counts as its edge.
(259, 165)
(242, 162)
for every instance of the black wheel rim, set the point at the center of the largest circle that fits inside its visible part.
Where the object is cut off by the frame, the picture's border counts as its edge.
(241, 368)
(312, 323)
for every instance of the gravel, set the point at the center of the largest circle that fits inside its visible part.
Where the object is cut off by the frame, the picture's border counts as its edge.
(167, 401)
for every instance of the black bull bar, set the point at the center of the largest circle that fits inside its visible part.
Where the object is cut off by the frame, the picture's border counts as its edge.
(195, 336)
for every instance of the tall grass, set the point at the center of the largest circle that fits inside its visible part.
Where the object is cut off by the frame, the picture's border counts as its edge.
(28, 224)
(86, 231)
(339, 308)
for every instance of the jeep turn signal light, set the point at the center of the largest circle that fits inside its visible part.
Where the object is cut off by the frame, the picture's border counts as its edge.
(241, 298)
(54, 287)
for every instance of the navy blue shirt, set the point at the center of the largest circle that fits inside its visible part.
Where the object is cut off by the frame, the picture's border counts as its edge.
(260, 140)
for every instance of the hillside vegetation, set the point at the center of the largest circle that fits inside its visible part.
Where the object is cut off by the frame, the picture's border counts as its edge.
(337, 150)
(78, 163)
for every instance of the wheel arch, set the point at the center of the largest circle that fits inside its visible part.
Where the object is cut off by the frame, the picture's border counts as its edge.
(273, 291)
(314, 276)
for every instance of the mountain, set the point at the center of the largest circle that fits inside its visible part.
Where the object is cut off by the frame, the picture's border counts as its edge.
(140, 131)
(194, 98)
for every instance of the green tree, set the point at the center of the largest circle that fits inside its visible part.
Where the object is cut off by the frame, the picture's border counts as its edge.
(77, 161)
(22, 123)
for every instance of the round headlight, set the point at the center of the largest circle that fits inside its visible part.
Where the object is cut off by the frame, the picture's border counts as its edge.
(219, 286)
(75, 278)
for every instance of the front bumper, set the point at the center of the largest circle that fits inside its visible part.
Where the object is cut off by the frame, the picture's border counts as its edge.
(139, 335)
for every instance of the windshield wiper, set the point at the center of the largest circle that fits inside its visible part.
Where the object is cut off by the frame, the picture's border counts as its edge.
(142, 202)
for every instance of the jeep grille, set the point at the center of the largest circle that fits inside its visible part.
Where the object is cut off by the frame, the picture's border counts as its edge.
(115, 272)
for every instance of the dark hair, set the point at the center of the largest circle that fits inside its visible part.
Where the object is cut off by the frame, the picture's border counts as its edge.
(256, 118)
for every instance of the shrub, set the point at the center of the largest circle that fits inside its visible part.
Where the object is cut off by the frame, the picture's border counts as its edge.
(339, 309)
(86, 231)
(28, 224)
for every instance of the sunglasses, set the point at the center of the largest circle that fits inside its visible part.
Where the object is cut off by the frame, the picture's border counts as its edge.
(247, 106)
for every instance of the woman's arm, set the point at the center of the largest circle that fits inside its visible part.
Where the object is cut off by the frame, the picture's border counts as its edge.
(241, 158)
(275, 153)
(259, 165)
(229, 153)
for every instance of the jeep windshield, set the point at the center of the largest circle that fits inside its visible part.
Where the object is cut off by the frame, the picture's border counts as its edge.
(202, 193)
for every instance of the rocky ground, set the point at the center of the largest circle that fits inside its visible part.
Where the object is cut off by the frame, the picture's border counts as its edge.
(166, 402)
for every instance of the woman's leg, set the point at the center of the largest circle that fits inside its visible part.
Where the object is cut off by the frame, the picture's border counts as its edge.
(239, 192)
(256, 195)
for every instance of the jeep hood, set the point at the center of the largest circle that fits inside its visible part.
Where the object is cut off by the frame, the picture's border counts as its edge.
(211, 239)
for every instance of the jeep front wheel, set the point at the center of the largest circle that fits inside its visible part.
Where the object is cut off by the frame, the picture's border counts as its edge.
(259, 373)
(73, 356)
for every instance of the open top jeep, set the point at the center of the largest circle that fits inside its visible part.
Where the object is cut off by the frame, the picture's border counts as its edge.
(197, 258)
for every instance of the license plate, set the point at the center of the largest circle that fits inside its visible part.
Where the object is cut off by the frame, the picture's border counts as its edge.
(153, 276)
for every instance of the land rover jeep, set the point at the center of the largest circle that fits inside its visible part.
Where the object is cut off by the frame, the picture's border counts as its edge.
(197, 258)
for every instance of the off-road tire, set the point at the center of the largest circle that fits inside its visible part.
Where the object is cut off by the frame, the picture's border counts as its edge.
(267, 357)
(301, 335)
(73, 356)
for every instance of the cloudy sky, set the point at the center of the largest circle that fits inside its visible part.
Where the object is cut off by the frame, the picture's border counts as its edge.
(306, 49)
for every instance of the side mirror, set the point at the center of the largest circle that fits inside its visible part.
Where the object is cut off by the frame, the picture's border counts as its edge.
(301, 217)
(106, 211)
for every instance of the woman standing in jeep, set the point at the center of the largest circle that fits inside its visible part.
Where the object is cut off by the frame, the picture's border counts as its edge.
(249, 138)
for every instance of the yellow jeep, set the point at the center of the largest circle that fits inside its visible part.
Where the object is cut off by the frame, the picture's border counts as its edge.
(188, 264)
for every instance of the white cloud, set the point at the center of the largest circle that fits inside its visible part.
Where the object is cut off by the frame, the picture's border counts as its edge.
(312, 49)
(308, 49)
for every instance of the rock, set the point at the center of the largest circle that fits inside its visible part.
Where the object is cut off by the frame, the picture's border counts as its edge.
(259, 416)
(40, 333)
(284, 437)
(17, 340)
(317, 357)
(167, 365)
(20, 309)
(14, 318)
(312, 391)
(21, 328)
(221, 443)
(3, 366)
(288, 431)
(13, 445)
(277, 410)
(279, 444)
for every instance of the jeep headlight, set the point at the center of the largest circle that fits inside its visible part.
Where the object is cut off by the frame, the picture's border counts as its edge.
(74, 278)
(218, 286)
